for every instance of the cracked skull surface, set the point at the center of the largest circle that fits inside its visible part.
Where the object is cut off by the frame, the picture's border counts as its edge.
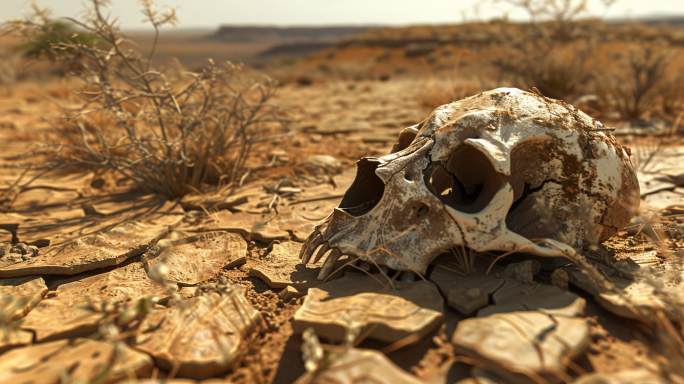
(503, 170)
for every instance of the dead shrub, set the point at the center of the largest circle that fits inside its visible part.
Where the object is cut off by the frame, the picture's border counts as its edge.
(171, 132)
(672, 94)
(551, 53)
(634, 87)
(434, 95)
(8, 73)
(557, 72)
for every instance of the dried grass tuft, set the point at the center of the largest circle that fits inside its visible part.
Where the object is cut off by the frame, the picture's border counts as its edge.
(171, 131)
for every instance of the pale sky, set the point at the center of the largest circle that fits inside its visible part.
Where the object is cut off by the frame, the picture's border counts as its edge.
(212, 13)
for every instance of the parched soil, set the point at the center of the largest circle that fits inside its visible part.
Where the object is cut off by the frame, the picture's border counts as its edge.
(345, 120)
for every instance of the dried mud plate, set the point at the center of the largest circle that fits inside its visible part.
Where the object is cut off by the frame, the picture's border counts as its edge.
(91, 252)
(19, 295)
(281, 268)
(192, 260)
(523, 346)
(59, 316)
(201, 335)
(77, 359)
(362, 301)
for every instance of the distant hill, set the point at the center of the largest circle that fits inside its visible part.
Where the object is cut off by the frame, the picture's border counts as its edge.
(671, 21)
(279, 35)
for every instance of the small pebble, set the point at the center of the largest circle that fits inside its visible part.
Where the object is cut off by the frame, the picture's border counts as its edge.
(600, 334)
(473, 293)
(19, 248)
(407, 277)
(33, 250)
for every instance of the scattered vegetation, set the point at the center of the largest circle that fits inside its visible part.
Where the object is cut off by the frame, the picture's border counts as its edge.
(171, 132)
(634, 90)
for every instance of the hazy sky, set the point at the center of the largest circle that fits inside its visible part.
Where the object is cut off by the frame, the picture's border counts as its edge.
(212, 13)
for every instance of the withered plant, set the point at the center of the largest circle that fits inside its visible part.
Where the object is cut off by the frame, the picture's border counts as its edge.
(172, 131)
(635, 88)
(672, 94)
(551, 52)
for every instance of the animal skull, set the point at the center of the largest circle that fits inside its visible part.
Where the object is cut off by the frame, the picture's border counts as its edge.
(490, 172)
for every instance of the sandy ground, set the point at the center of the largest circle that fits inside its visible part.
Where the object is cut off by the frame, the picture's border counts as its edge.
(347, 120)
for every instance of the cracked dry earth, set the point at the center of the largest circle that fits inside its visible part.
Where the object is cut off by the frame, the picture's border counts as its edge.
(108, 285)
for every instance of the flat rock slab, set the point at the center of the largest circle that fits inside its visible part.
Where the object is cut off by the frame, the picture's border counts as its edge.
(14, 338)
(198, 258)
(297, 216)
(202, 335)
(362, 301)
(91, 252)
(79, 359)
(519, 345)
(281, 268)
(466, 294)
(169, 381)
(64, 226)
(59, 317)
(356, 366)
(268, 227)
(665, 199)
(650, 183)
(20, 295)
(516, 296)
(637, 294)
(259, 227)
(639, 375)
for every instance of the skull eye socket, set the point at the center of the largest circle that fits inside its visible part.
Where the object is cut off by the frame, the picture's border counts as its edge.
(366, 190)
(467, 182)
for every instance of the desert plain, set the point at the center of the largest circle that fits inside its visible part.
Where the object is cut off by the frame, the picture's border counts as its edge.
(198, 279)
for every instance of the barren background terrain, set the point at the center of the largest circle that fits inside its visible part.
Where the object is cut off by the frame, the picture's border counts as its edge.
(153, 208)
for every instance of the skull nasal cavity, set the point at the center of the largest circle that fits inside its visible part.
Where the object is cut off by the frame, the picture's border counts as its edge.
(466, 181)
(366, 190)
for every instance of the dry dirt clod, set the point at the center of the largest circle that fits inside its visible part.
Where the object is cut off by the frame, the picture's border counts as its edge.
(202, 335)
(91, 252)
(79, 359)
(190, 261)
(523, 271)
(521, 345)
(363, 302)
(559, 278)
(24, 293)
(5, 248)
(290, 293)
(21, 248)
(60, 316)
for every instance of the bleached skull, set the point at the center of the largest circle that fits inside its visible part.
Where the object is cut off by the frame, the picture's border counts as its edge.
(492, 172)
